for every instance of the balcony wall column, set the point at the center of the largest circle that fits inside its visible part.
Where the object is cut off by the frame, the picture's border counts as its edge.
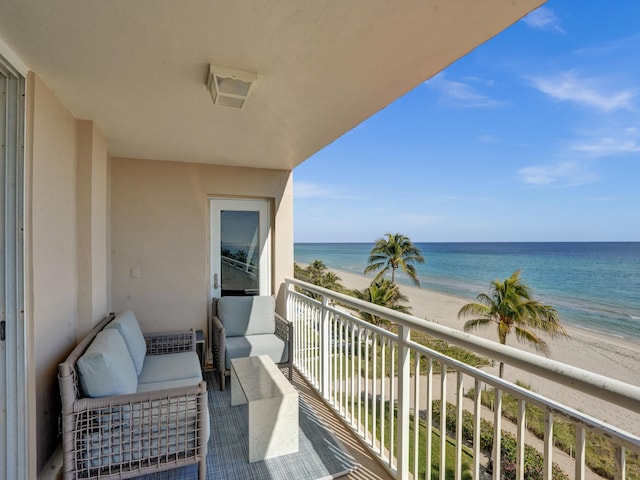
(91, 226)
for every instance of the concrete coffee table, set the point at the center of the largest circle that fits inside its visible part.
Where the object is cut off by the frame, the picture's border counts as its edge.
(273, 406)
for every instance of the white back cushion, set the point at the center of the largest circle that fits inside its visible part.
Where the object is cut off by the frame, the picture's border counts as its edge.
(127, 325)
(243, 316)
(106, 367)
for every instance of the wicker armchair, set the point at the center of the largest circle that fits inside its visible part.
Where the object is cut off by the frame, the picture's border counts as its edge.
(124, 436)
(247, 327)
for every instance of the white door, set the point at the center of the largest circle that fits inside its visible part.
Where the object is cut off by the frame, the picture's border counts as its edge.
(240, 247)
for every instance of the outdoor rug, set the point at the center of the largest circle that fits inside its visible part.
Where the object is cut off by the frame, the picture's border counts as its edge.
(320, 455)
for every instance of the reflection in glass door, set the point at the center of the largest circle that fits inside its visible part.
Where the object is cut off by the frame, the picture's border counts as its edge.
(239, 247)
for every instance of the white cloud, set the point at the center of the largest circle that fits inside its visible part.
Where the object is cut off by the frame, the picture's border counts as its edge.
(608, 146)
(564, 173)
(312, 190)
(488, 138)
(543, 19)
(568, 87)
(601, 144)
(462, 94)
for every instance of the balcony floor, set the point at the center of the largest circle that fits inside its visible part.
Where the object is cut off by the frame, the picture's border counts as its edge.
(370, 468)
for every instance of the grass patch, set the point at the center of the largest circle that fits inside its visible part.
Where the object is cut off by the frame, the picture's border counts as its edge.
(450, 445)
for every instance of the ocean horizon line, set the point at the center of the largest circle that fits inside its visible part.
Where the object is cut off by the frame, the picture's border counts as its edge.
(478, 241)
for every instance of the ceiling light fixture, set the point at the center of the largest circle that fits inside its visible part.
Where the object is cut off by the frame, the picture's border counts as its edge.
(229, 87)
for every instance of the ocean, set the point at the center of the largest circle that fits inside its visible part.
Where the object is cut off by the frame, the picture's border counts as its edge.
(593, 285)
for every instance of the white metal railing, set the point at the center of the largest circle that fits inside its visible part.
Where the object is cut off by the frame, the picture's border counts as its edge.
(239, 265)
(387, 387)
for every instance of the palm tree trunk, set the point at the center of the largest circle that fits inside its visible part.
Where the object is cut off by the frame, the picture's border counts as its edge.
(393, 275)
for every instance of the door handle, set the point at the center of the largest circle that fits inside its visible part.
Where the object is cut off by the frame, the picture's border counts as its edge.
(215, 281)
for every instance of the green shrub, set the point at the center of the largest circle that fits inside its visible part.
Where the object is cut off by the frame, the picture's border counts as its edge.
(600, 451)
(533, 460)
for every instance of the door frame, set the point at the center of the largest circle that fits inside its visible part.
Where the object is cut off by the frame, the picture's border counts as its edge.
(14, 428)
(261, 205)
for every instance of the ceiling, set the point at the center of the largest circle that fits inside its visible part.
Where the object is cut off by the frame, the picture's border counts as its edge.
(138, 68)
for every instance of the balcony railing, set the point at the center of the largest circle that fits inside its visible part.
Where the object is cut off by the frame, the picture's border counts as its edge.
(387, 387)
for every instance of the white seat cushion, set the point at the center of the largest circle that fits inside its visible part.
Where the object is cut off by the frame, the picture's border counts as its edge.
(254, 345)
(171, 366)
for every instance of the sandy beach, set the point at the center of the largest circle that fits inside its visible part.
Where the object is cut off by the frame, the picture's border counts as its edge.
(607, 355)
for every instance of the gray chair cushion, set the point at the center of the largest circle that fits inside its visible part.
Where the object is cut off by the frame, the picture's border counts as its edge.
(172, 366)
(127, 324)
(106, 367)
(254, 345)
(247, 315)
(183, 382)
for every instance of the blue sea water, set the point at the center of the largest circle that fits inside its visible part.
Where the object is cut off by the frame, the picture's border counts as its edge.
(593, 285)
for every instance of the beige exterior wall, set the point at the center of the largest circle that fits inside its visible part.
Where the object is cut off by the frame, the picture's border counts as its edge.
(160, 227)
(67, 233)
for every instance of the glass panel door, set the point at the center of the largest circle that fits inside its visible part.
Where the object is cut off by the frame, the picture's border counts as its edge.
(239, 247)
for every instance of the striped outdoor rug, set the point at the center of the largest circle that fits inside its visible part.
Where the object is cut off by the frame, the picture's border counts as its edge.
(320, 455)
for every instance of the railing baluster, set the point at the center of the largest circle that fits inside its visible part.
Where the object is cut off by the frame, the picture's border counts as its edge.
(477, 416)
(331, 342)
(383, 381)
(353, 372)
(497, 433)
(621, 463)
(429, 409)
(374, 387)
(416, 413)
(392, 405)
(522, 408)
(404, 374)
(366, 384)
(548, 445)
(443, 420)
(307, 337)
(459, 405)
(359, 386)
(580, 456)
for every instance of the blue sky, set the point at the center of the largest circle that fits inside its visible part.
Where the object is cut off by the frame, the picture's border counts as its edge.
(533, 136)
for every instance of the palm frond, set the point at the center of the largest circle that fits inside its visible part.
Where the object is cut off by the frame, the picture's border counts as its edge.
(474, 309)
(476, 323)
(524, 335)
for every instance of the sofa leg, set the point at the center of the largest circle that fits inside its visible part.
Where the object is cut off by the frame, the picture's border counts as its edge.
(202, 469)
(222, 379)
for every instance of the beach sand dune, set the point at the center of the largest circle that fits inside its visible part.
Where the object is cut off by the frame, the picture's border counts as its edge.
(606, 355)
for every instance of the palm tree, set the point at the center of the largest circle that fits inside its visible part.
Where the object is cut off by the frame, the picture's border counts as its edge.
(331, 281)
(396, 251)
(316, 270)
(318, 274)
(509, 305)
(385, 294)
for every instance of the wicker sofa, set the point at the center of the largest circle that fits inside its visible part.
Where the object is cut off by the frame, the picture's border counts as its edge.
(121, 423)
(248, 327)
